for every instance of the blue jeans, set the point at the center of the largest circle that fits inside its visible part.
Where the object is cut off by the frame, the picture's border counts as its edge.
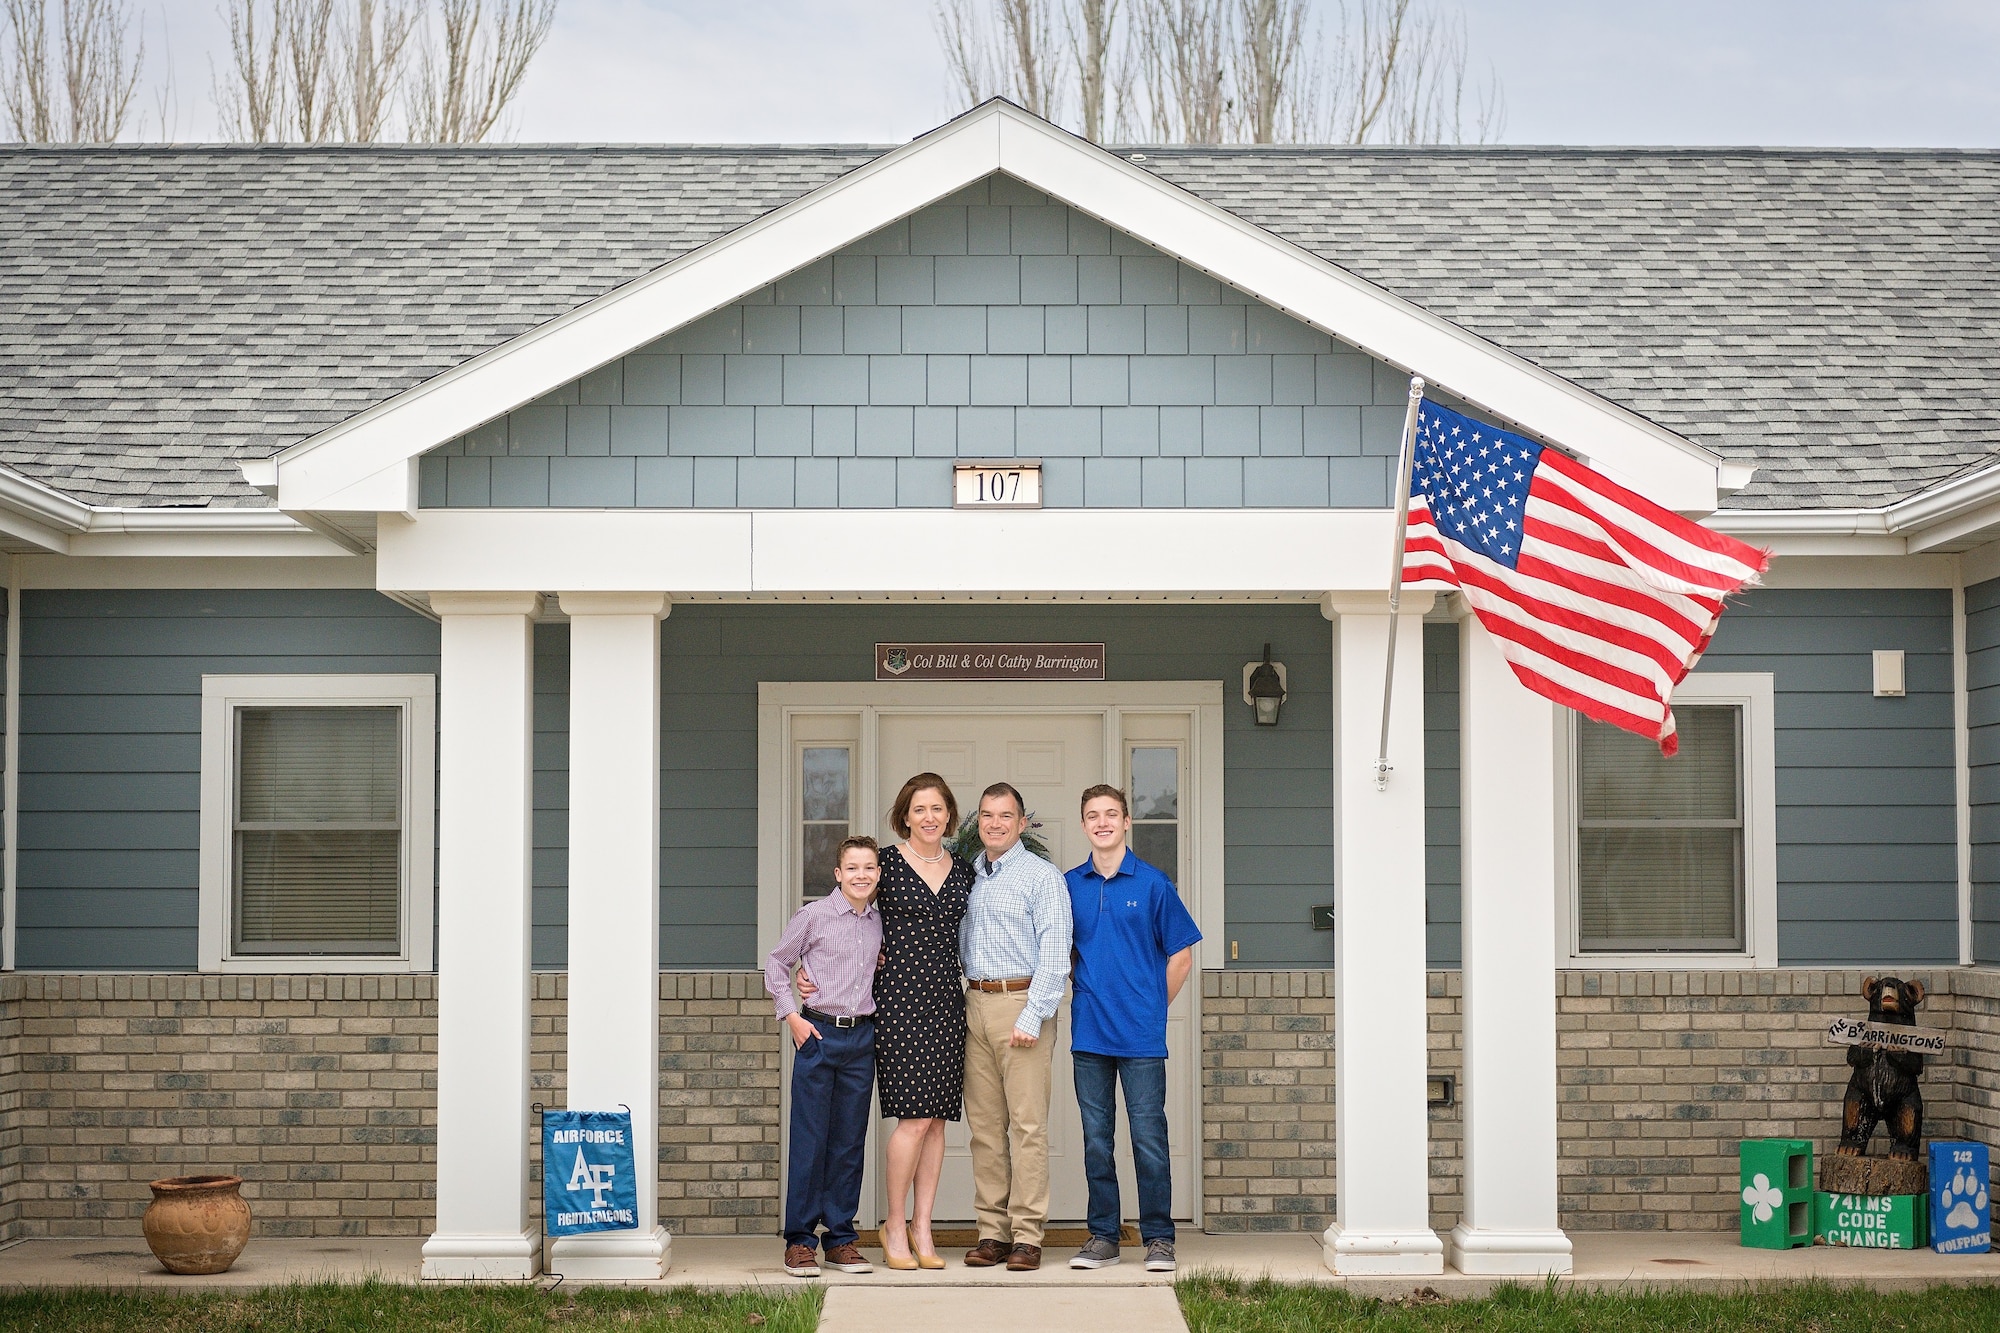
(833, 1082)
(1145, 1081)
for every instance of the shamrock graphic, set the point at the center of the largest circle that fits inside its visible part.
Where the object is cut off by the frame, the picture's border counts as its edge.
(1761, 1197)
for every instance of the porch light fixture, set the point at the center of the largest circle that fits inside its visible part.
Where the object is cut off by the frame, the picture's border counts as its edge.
(1264, 688)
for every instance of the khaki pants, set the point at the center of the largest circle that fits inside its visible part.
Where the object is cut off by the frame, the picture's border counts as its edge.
(1007, 1110)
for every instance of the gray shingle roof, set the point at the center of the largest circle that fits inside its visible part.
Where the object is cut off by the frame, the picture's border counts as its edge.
(1833, 316)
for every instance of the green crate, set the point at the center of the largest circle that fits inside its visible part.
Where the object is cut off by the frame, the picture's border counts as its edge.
(1872, 1221)
(1776, 1193)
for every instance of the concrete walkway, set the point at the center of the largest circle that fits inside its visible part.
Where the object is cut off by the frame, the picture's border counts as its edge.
(1040, 1309)
(1603, 1260)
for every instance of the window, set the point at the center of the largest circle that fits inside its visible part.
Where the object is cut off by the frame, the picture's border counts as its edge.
(1675, 856)
(1156, 806)
(826, 803)
(316, 822)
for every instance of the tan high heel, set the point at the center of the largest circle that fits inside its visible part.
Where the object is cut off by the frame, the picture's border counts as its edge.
(891, 1262)
(930, 1260)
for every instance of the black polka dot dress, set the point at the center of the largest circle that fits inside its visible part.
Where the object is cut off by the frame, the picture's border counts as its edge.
(919, 994)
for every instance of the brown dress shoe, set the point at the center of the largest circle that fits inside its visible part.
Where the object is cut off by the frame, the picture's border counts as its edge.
(847, 1259)
(801, 1261)
(986, 1254)
(1024, 1259)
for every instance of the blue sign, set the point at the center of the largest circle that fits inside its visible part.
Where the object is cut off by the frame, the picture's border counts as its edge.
(588, 1180)
(1961, 1212)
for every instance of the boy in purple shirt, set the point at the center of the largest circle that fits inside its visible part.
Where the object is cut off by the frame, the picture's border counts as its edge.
(838, 938)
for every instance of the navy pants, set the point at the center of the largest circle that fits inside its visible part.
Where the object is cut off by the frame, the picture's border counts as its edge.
(833, 1081)
(1145, 1083)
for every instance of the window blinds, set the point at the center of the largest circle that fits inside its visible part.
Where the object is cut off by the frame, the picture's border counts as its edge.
(1660, 841)
(318, 854)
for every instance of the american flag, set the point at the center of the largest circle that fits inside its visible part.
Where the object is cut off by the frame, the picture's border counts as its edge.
(1598, 598)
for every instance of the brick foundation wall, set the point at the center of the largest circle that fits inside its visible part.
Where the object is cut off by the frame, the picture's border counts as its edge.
(321, 1092)
(1659, 1076)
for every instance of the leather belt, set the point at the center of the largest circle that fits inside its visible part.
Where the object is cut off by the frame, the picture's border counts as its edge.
(838, 1020)
(1001, 987)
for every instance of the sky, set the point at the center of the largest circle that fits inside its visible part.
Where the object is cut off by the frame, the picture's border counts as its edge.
(1793, 72)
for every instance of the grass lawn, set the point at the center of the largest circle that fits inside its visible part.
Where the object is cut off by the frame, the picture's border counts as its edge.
(387, 1308)
(1225, 1305)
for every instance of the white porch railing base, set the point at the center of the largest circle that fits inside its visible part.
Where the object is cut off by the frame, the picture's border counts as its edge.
(1484, 1252)
(483, 1257)
(612, 1256)
(1381, 1253)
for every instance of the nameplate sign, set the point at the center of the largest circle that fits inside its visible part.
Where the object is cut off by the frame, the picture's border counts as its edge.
(1888, 1036)
(989, 661)
(1001, 484)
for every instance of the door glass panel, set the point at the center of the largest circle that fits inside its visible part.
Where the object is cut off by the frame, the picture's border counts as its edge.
(1156, 805)
(825, 771)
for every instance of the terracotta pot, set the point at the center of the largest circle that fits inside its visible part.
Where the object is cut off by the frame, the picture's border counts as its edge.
(197, 1224)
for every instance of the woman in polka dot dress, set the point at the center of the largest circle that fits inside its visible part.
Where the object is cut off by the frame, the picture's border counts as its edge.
(919, 1008)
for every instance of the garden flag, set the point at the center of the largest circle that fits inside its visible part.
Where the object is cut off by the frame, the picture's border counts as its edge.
(588, 1180)
(1597, 597)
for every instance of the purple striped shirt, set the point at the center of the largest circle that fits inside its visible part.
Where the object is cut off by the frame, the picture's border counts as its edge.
(839, 947)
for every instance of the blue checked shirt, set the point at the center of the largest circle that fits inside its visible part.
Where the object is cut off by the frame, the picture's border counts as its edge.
(1017, 924)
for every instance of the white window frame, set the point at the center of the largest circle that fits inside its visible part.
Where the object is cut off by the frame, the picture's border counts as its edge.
(416, 697)
(1755, 693)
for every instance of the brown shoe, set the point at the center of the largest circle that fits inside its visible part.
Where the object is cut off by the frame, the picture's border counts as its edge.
(986, 1254)
(801, 1261)
(847, 1259)
(1024, 1259)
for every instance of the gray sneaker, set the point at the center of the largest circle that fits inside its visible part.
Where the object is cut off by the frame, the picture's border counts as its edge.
(1159, 1256)
(1097, 1252)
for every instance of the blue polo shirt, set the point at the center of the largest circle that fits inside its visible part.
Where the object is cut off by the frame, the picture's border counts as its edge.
(1126, 929)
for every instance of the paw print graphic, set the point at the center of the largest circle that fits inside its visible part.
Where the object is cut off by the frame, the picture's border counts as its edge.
(1964, 1199)
(1761, 1197)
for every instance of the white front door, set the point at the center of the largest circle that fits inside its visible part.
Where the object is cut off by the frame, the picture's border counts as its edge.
(1051, 757)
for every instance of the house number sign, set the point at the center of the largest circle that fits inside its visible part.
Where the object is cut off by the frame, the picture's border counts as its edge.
(989, 661)
(1003, 484)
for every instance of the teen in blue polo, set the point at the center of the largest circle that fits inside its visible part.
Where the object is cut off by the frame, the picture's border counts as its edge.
(1134, 946)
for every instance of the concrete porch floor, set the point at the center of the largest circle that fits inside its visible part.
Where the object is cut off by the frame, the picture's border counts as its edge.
(1603, 1259)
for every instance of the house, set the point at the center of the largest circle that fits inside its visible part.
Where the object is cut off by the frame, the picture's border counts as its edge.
(456, 594)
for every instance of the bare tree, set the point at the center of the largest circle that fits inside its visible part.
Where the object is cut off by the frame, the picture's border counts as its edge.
(1183, 46)
(308, 30)
(1015, 54)
(1210, 71)
(371, 39)
(470, 64)
(1092, 27)
(79, 93)
(250, 92)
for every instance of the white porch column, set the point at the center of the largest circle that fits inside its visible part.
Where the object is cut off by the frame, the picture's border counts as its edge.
(1382, 1125)
(614, 905)
(1507, 843)
(485, 770)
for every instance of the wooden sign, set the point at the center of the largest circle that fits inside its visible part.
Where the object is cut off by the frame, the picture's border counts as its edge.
(989, 661)
(1002, 484)
(1888, 1036)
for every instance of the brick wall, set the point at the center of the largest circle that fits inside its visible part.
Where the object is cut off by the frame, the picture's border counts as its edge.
(1660, 1075)
(320, 1091)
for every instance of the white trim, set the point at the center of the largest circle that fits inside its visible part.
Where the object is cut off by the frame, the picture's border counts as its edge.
(10, 775)
(1961, 736)
(1861, 571)
(1258, 553)
(231, 571)
(995, 137)
(1979, 564)
(1755, 692)
(416, 695)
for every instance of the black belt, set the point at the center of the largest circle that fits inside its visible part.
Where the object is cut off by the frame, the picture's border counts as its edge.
(838, 1020)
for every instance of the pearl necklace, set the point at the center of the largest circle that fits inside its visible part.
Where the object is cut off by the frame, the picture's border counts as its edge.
(933, 860)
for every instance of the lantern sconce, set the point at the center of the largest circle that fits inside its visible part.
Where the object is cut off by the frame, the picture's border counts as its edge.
(1264, 688)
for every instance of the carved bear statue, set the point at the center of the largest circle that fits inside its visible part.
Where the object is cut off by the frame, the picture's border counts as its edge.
(1883, 1088)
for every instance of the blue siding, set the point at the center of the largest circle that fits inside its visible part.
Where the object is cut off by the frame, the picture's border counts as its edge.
(110, 792)
(1867, 855)
(1982, 662)
(1867, 836)
(995, 324)
(1278, 816)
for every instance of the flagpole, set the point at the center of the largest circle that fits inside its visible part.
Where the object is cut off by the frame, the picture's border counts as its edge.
(1406, 463)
